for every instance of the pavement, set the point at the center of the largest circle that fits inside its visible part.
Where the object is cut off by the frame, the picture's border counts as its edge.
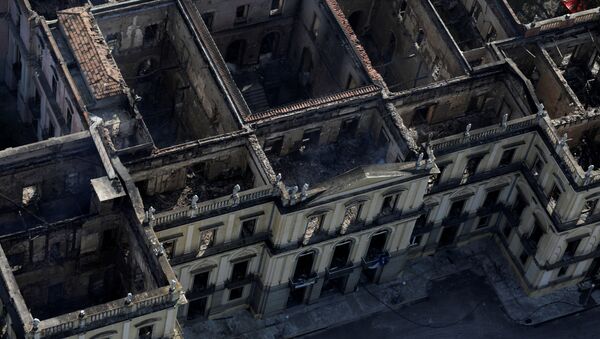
(461, 306)
(471, 288)
(330, 311)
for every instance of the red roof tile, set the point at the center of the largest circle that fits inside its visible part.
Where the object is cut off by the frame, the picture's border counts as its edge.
(92, 52)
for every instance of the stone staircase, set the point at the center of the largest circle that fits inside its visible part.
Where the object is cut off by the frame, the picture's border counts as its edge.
(256, 97)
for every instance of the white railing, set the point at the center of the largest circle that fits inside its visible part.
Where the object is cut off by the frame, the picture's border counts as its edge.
(562, 22)
(228, 201)
(482, 134)
(572, 167)
(107, 316)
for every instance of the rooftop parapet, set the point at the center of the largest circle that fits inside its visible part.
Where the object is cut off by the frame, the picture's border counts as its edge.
(540, 122)
(562, 22)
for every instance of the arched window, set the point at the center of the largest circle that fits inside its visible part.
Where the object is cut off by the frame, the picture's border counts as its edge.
(420, 37)
(304, 265)
(355, 21)
(235, 52)
(54, 81)
(341, 255)
(269, 43)
(390, 49)
(377, 245)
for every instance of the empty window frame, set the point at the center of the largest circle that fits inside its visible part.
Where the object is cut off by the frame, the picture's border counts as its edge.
(507, 230)
(507, 157)
(535, 235)
(276, 7)
(389, 204)
(456, 209)
(420, 38)
(423, 115)
(553, 197)
(483, 222)
(435, 179)
(239, 270)
(349, 127)
(310, 138)
(169, 247)
(491, 198)
(208, 18)
(248, 228)
(519, 205)
(523, 258)
(304, 265)
(562, 271)
(236, 293)
(273, 146)
(150, 34)
(200, 281)
(471, 168)
(350, 83)
(588, 210)
(421, 221)
(571, 249)
(377, 245)
(241, 14)
(402, 9)
(54, 81)
(538, 166)
(476, 11)
(145, 332)
(341, 254)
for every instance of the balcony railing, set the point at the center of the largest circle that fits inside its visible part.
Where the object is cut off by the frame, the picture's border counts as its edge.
(219, 248)
(106, 314)
(248, 279)
(200, 292)
(448, 144)
(337, 272)
(245, 197)
(543, 124)
(375, 261)
(562, 22)
(301, 282)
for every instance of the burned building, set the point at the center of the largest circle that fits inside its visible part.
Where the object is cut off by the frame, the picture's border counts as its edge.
(181, 159)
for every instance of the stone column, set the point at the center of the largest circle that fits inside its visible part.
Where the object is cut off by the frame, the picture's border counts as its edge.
(170, 323)
(126, 327)
(353, 280)
(315, 291)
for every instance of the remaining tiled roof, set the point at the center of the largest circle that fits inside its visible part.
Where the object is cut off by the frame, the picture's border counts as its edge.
(356, 44)
(356, 93)
(92, 52)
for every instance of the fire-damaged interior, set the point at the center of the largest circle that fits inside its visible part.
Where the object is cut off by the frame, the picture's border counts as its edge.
(535, 10)
(296, 56)
(207, 179)
(68, 246)
(394, 41)
(312, 155)
(75, 265)
(474, 107)
(175, 92)
(184, 160)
